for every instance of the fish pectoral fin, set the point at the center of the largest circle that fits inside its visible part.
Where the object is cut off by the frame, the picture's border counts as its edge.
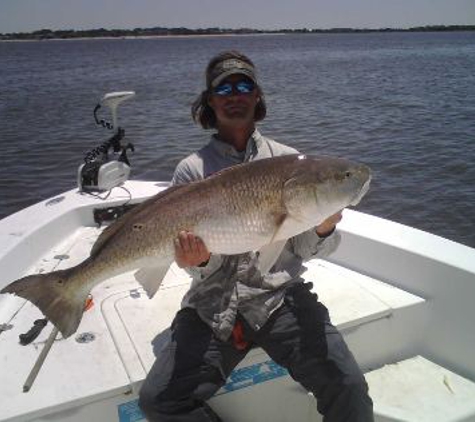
(151, 278)
(287, 227)
(290, 227)
(269, 254)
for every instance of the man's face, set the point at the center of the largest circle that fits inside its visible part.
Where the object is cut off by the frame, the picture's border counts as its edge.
(237, 108)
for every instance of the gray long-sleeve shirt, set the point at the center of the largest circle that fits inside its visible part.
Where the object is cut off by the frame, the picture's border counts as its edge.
(228, 284)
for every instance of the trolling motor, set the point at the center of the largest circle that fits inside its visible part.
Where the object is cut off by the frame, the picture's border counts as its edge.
(101, 172)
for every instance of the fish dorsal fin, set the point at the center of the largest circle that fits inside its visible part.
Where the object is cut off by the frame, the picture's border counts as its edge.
(117, 225)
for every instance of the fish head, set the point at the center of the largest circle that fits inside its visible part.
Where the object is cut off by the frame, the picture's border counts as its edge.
(319, 187)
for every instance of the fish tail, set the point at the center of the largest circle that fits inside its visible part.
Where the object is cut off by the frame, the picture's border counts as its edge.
(55, 296)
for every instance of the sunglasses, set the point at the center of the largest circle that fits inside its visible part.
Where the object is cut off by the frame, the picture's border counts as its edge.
(241, 87)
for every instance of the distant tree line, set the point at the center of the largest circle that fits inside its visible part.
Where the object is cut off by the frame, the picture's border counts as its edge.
(45, 34)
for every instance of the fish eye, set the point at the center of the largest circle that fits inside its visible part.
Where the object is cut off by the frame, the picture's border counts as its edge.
(341, 176)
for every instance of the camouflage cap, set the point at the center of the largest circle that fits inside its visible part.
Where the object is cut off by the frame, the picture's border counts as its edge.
(227, 68)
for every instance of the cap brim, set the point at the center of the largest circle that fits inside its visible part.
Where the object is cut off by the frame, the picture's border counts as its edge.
(216, 81)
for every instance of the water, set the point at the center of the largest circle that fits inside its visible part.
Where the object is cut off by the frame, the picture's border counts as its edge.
(404, 103)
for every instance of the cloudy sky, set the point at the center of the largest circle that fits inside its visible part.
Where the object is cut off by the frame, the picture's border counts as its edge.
(29, 15)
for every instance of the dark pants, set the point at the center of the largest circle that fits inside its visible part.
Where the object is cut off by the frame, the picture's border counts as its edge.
(193, 364)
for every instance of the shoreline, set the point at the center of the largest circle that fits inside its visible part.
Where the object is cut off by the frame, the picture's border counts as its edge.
(140, 37)
(167, 33)
(154, 37)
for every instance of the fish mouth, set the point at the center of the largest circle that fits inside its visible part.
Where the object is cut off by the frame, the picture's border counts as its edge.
(362, 192)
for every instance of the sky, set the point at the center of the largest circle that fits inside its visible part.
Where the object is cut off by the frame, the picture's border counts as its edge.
(31, 15)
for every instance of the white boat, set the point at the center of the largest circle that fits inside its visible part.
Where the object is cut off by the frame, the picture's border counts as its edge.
(401, 297)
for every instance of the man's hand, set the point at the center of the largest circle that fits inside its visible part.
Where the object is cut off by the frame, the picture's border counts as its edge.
(190, 250)
(327, 227)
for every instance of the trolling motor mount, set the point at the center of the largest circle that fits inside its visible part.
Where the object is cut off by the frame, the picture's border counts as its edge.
(100, 172)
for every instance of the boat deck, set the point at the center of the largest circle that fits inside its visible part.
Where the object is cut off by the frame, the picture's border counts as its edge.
(112, 351)
(95, 375)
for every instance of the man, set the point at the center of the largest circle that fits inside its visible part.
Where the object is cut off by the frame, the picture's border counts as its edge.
(231, 306)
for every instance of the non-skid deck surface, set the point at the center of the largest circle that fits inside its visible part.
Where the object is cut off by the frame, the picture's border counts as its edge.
(418, 390)
(123, 322)
(74, 372)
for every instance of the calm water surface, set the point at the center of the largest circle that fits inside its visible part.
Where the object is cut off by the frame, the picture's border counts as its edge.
(404, 103)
